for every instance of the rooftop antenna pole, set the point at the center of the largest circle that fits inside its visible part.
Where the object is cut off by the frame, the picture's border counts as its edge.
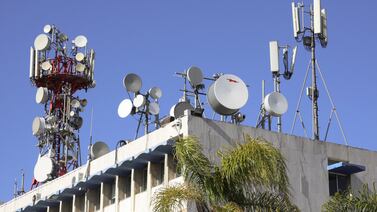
(91, 134)
(22, 191)
(15, 188)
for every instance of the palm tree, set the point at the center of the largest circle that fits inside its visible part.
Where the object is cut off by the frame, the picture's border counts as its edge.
(251, 176)
(364, 200)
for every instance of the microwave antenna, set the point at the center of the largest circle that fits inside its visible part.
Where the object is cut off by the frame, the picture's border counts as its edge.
(59, 69)
(309, 36)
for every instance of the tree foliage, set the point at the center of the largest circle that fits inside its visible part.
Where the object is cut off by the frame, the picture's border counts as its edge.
(365, 200)
(250, 177)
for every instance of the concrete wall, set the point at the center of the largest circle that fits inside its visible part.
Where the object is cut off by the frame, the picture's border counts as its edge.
(306, 159)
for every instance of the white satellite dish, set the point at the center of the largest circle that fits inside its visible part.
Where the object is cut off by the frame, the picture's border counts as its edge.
(139, 101)
(42, 42)
(154, 108)
(75, 103)
(43, 169)
(194, 76)
(179, 109)
(227, 94)
(80, 56)
(275, 104)
(155, 92)
(47, 28)
(39, 125)
(46, 65)
(41, 96)
(132, 82)
(125, 108)
(98, 149)
(80, 41)
(80, 67)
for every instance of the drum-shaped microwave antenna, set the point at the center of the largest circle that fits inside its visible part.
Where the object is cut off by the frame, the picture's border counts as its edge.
(275, 104)
(125, 108)
(227, 94)
(80, 67)
(80, 41)
(80, 56)
(178, 109)
(139, 101)
(47, 28)
(194, 76)
(42, 42)
(46, 66)
(39, 125)
(43, 169)
(98, 149)
(155, 92)
(41, 97)
(154, 108)
(132, 82)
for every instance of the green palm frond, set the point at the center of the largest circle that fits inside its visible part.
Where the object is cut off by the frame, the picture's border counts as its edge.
(256, 163)
(173, 197)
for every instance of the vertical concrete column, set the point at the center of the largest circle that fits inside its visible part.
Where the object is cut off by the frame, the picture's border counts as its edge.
(149, 184)
(166, 170)
(74, 204)
(117, 193)
(102, 197)
(133, 190)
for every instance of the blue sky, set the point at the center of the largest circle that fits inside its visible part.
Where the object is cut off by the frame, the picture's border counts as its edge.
(157, 38)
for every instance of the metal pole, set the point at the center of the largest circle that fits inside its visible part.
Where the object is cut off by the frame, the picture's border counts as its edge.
(314, 93)
(277, 89)
(263, 111)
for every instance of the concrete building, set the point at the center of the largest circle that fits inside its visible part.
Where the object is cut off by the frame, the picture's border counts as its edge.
(126, 179)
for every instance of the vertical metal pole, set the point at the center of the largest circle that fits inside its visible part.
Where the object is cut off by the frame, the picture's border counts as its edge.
(314, 82)
(263, 111)
(22, 182)
(277, 89)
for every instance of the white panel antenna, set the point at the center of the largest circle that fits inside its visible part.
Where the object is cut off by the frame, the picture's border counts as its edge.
(317, 17)
(296, 20)
(32, 62)
(293, 61)
(274, 56)
(324, 36)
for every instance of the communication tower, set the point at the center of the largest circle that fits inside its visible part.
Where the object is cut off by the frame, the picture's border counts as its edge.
(59, 69)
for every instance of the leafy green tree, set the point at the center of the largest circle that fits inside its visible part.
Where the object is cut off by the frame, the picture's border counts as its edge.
(365, 200)
(250, 177)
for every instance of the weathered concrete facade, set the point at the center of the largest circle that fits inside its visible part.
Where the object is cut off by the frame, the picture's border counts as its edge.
(126, 179)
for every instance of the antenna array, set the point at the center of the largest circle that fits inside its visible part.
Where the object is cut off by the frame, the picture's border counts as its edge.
(58, 72)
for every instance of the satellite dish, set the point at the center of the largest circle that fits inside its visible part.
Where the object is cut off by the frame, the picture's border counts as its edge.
(154, 108)
(132, 82)
(41, 96)
(42, 42)
(47, 28)
(46, 66)
(39, 125)
(43, 169)
(98, 149)
(139, 101)
(179, 109)
(155, 92)
(227, 94)
(275, 104)
(194, 76)
(80, 41)
(125, 108)
(77, 122)
(80, 67)
(80, 56)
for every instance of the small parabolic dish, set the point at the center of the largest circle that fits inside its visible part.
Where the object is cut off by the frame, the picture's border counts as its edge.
(46, 66)
(43, 168)
(275, 104)
(154, 108)
(80, 56)
(227, 94)
(139, 101)
(75, 103)
(194, 76)
(47, 28)
(178, 109)
(42, 42)
(80, 67)
(132, 82)
(39, 125)
(98, 149)
(155, 92)
(41, 96)
(80, 41)
(125, 108)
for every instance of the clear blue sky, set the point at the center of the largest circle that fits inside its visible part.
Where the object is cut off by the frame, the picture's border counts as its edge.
(157, 38)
